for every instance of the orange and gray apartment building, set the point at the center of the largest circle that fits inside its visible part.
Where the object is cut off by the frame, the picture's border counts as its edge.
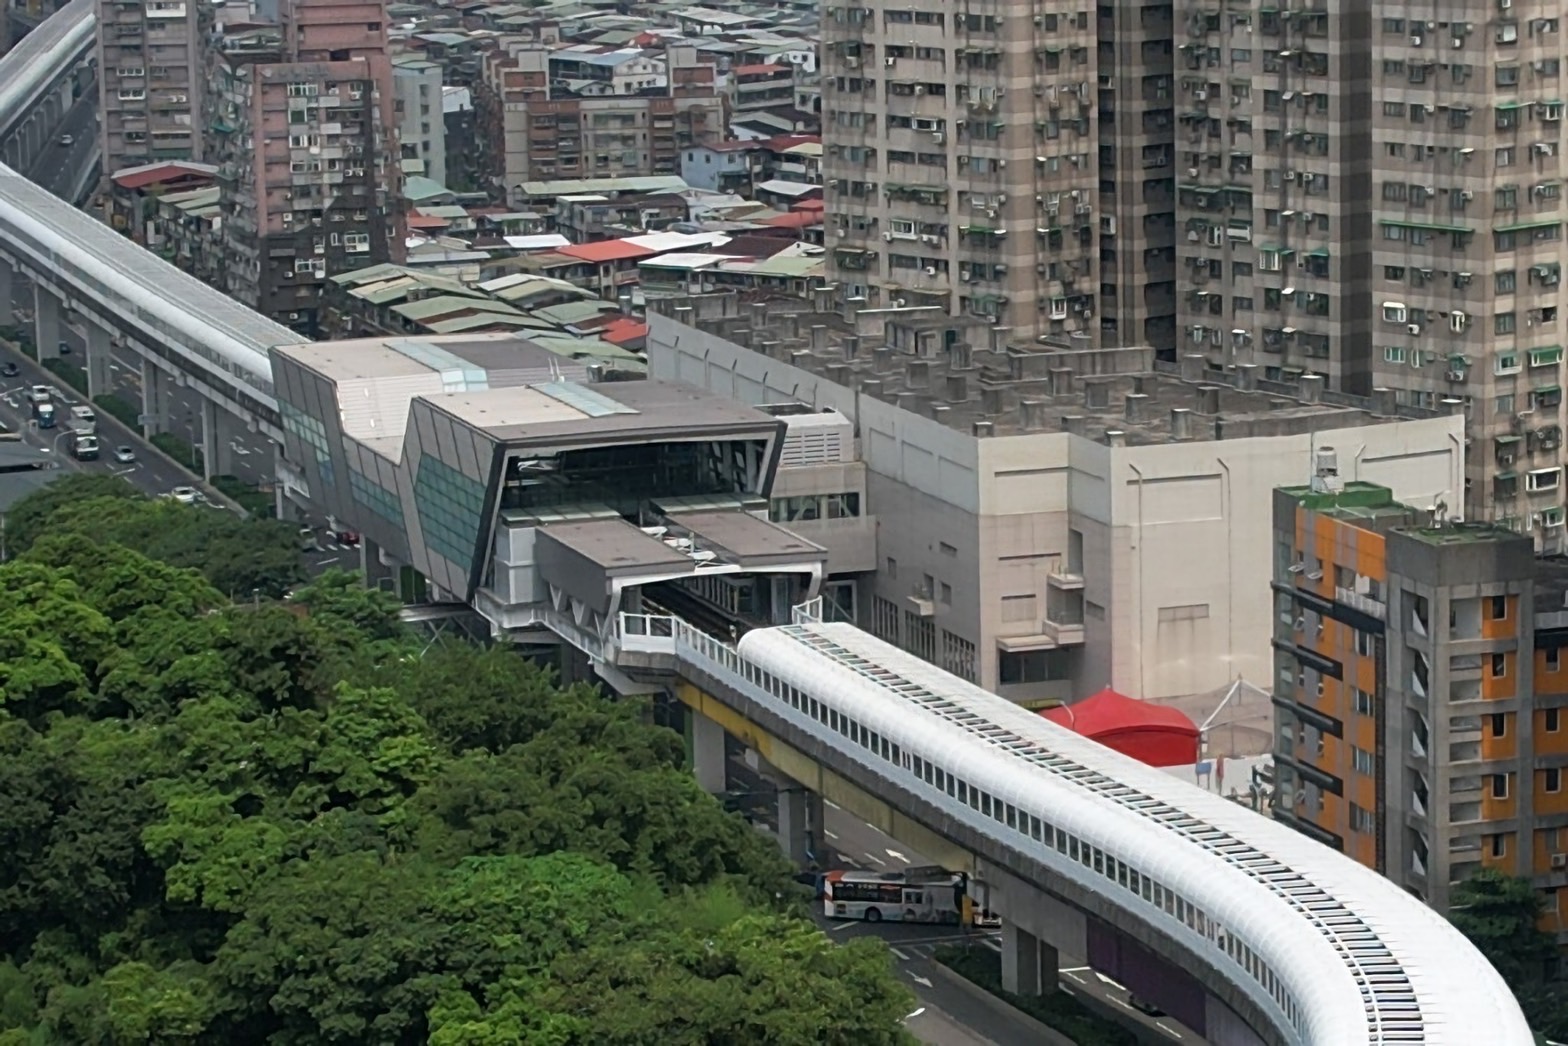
(1420, 690)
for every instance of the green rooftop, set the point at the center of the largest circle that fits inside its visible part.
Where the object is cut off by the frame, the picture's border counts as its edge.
(1353, 495)
(1461, 534)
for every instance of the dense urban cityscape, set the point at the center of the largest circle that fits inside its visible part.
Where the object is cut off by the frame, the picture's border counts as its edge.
(583, 523)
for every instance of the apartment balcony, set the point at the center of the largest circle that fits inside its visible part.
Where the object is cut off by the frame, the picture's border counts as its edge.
(1366, 604)
(1065, 580)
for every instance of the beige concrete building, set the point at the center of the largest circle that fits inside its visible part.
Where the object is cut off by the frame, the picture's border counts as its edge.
(547, 113)
(149, 82)
(962, 163)
(1053, 522)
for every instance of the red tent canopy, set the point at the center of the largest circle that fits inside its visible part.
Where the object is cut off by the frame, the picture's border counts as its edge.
(1151, 733)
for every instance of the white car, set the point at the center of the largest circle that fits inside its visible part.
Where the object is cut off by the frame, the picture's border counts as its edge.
(124, 455)
(185, 495)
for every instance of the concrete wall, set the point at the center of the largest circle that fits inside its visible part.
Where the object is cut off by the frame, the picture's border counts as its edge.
(1175, 537)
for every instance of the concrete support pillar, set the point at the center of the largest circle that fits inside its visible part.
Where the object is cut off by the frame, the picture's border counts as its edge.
(154, 402)
(46, 323)
(1029, 965)
(707, 753)
(100, 380)
(377, 574)
(217, 457)
(7, 290)
(816, 827)
(793, 833)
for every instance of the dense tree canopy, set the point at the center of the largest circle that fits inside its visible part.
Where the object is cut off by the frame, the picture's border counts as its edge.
(291, 822)
(240, 557)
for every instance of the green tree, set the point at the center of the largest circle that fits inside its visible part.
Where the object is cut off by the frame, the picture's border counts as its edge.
(28, 519)
(340, 600)
(1500, 914)
(297, 822)
(239, 557)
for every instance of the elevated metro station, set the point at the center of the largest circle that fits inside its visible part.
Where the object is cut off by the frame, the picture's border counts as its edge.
(627, 523)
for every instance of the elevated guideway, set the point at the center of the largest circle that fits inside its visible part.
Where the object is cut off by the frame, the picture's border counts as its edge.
(1291, 941)
(182, 330)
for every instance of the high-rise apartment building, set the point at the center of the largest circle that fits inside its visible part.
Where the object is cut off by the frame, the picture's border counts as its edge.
(1420, 692)
(1316, 187)
(962, 163)
(563, 113)
(1468, 244)
(1273, 188)
(421, 119)
(1414, 245)
(149, 81)
(305, 139)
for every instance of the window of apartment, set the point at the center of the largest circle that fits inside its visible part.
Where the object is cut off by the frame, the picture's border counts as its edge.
(1499, 666)
(892, 567)
(1497, 608)
(884, 619)
(1552, 720)
(1498, 844)
(920, 636)
(1362, 820)
(1499, 725)
(1497, 784)
(958, 656)
(1365, 704)
(1364, 643)
(1554, 659)
(1543, 479)
(1365, 762)
(808, 507)
(1032, 666)
(1552, 779)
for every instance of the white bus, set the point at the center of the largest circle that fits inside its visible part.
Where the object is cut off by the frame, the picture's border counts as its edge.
(919, 895)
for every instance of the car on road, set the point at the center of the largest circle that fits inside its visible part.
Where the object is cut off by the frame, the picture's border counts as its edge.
(65, 348)
(124, 455)
(10, 370)
(185, 495)
(68, 139)
(38, 394)
(1148, 1009)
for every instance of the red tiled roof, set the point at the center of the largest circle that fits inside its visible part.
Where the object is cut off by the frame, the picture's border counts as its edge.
(779, 142)
(624, 330)
(731, 147)
(793, 220)
(605, 251)
(758, 70)
(810, 205)
(426, 221)
(163, 172)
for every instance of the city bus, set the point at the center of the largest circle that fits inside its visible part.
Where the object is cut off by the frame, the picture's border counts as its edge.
(918, 895)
